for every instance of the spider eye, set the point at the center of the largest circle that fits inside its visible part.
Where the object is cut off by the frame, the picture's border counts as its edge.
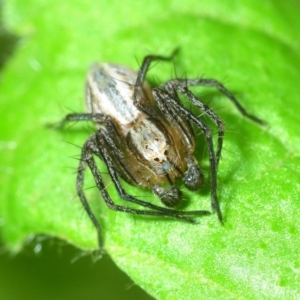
(156, 159)
(166, 153)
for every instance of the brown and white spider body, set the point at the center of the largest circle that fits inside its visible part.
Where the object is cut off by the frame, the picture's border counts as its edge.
(145, 136)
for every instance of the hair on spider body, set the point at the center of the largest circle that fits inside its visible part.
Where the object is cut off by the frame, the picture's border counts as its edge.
(145, 137)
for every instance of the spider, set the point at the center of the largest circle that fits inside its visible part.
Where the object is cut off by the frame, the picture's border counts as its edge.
(145, 137)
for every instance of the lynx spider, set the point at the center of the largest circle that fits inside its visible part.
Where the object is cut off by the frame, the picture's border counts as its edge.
(145, 137)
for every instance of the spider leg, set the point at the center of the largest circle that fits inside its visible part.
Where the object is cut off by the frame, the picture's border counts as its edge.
(181, 85)
(79, 187)
(216, 84)
(165, 100)
(97, 118)
(184, 83)
(145, 67)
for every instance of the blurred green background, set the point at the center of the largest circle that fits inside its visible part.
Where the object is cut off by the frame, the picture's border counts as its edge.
(58, 271)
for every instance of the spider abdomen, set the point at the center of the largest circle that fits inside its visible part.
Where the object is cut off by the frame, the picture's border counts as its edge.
(109, 91)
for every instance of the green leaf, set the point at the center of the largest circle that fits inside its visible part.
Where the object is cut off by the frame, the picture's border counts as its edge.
(254, 48)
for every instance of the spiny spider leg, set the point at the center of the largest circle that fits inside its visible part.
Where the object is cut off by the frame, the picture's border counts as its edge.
(145, 67)
(181, 85)
(163, 96)
(216, 84)
(79, 187)
(175, 85)
(80, 117)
